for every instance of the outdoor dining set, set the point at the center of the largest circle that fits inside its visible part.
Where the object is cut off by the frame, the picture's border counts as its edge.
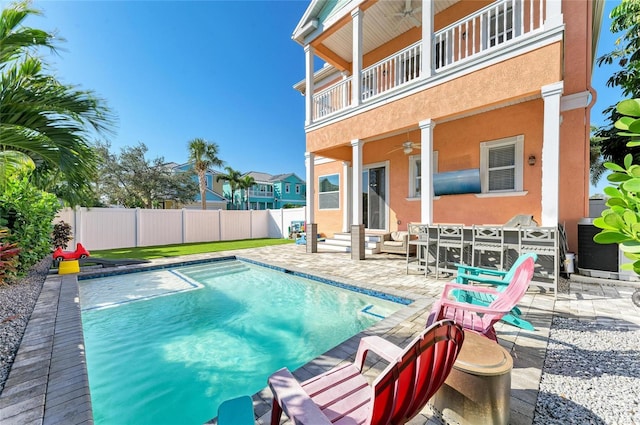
(438, 249)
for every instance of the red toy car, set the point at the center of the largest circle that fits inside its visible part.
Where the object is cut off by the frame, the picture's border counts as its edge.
(80, 252)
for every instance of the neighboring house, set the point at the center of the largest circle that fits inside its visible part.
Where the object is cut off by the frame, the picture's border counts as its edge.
(270, 192)
(215, 199)
(448, 111)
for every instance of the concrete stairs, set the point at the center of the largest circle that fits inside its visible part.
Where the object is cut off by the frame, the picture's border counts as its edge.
(341, 242)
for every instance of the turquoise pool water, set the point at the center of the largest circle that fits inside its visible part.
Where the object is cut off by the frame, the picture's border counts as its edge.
(168, 346)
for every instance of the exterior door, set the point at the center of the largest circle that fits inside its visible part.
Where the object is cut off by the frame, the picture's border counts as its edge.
(374, 198)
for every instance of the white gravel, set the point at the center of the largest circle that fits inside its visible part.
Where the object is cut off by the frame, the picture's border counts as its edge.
(591, 374)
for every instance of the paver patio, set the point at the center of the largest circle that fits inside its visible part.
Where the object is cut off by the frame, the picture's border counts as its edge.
(56, 391)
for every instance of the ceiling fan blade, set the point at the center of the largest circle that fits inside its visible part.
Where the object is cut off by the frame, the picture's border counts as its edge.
(416, 21)
(396, 149)
(407, 6)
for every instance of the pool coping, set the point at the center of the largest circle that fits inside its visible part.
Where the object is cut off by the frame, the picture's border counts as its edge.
(56, 391)
(48, 381)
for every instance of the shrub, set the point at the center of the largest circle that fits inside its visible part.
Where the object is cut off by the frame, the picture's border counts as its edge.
(8, 257)
(621, 222)
(28, 213)
(61, 234)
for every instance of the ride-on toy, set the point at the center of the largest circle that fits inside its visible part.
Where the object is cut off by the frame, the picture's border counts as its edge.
(80, 252)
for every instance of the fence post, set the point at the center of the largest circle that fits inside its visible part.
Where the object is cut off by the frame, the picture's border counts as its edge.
(137, 227)
(184, 226)
(250, 224)
(220, 225)
(77, 225)
(282, 223)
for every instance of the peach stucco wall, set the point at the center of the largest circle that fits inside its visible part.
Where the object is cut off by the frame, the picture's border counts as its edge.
(329, 221)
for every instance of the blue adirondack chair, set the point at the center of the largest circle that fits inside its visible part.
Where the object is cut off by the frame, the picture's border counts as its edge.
(498, 278)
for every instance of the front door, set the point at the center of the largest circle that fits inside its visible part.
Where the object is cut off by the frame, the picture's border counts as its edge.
(374, 198)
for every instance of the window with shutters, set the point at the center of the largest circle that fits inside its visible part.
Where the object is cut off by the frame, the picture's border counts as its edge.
(501, 165)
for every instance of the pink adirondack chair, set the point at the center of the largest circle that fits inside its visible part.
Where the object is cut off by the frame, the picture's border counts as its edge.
(343, 395)
(478, 318)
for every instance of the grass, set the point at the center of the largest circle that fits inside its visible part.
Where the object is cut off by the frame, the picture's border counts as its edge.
(163, 251)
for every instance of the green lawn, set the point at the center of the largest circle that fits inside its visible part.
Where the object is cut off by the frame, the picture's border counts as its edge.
(162, 251)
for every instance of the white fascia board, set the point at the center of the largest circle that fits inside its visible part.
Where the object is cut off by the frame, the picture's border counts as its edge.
(324, 72)
(575, 101)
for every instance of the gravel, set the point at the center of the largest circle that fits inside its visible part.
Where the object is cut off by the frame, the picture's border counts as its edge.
(591, 374)
(16, 304)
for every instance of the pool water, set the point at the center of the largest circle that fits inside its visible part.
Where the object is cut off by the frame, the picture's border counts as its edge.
(169, 351)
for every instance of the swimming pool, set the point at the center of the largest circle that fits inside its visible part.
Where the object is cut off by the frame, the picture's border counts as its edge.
(168, 346)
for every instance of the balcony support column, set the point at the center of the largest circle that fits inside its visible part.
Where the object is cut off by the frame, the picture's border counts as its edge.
(551, 95)
(426, 171)
(346, 204)
(356, 182)
(308, 101)
(426, 56)
(309, 159)
(356, 71)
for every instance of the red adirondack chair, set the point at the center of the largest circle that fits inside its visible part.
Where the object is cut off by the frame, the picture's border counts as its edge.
(343, 396)
(478, 318)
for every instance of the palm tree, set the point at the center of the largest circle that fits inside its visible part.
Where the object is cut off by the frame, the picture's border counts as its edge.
(204, 155)
(42, 118)
(233, 178)
(245, 183)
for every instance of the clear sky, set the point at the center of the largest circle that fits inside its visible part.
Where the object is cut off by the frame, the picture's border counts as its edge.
(220, 70)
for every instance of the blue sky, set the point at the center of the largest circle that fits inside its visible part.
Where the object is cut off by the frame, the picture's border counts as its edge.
(220, 70)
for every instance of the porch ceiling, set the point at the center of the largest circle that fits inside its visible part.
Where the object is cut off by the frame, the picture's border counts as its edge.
(383, 21)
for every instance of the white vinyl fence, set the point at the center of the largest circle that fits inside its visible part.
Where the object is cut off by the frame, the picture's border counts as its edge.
(108, 228)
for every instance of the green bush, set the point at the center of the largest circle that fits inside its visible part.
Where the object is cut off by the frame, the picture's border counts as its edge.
(28, 213)
(621, 222)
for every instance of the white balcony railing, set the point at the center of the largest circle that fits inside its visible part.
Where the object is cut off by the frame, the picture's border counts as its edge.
(332, 99)
(485, 30)
(391, 72)
(260, 193)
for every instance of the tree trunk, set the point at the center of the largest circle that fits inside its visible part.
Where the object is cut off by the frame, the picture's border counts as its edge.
(203, 189)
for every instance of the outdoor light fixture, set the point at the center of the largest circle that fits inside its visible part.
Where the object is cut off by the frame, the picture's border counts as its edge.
(532, 160)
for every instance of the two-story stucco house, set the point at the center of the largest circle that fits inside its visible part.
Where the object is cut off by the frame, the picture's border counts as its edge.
(447, 111)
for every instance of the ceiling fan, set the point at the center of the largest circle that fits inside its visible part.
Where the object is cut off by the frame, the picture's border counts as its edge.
(408, 13)
(407, 147)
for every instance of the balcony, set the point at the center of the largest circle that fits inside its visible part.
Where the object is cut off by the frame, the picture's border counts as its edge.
(260, 193)
(487, 30)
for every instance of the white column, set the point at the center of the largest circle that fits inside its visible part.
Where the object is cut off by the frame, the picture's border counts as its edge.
(308, 101)
(356, 194)
(309, 159)
(356, 71)
(554, 14)
(346, 204)
(426, 171)
(426, 55)
(551, 95)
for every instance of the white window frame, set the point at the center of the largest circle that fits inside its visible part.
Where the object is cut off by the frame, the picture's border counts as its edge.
(287, 187)
(320, 192)
(414, 169)
(297, 189)
(485, 147)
